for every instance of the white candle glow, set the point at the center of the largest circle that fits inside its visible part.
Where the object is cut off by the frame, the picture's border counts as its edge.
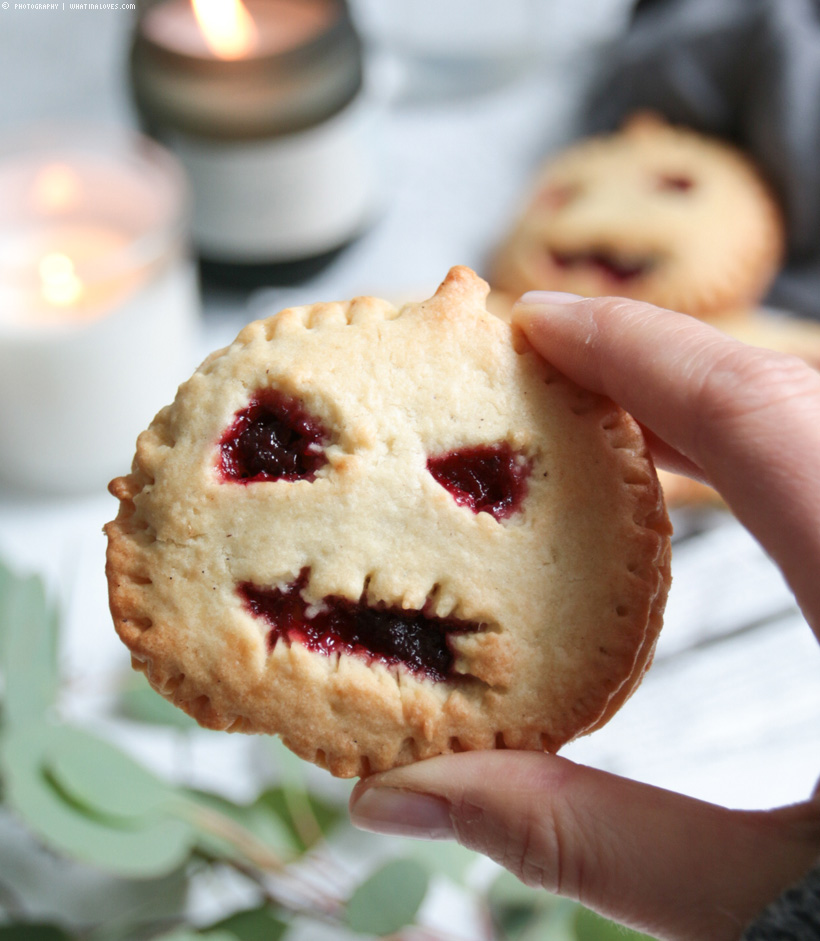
(98, 304)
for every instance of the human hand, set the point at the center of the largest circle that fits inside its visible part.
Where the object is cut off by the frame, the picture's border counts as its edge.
(747, 421)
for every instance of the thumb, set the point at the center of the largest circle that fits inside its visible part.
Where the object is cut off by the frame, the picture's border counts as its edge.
(669, 865)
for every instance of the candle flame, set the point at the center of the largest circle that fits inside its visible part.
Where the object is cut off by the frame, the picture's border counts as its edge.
(59, 283)
(227, 27)
(56, 188)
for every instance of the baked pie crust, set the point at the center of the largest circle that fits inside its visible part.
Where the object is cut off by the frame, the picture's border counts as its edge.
(655, 212)
(550, 609)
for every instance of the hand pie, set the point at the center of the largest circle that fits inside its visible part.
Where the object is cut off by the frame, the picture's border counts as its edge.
(389, 534)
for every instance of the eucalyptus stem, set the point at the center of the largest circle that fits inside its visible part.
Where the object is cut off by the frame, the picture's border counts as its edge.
(304, 819)
(324, 907)
(223, 827)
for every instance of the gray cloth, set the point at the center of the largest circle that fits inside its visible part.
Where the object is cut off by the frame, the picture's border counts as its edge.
(795, 916)
(744, 70)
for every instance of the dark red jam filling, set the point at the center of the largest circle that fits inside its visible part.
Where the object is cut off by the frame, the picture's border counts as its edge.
(391, 636)
(558, 195)
(488, 479)
(675, 183)
(273, 438)
(614, 267)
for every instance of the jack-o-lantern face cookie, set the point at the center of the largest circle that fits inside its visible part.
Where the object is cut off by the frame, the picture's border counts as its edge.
(654, 212)
(387, 534)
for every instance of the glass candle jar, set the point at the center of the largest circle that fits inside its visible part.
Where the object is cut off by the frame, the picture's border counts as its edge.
(98, 302)
(267, 111)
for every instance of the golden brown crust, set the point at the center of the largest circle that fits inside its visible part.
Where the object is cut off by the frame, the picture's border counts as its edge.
(692, 212)
(569, 591)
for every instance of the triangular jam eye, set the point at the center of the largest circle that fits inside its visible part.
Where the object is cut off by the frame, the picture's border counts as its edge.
(488, 478)
(273, 438)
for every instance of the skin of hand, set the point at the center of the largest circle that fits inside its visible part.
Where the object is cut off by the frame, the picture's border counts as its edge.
(747, 421)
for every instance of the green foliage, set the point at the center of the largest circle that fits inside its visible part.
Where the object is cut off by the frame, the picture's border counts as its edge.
(307, 817)
(226, 829)
(104, 780)
(135, 845)
(28, 644)
(255, 924)
(32, 932)
(186, 934)
(389, 899)
(525, 914)
(148, 840)
(592, 927)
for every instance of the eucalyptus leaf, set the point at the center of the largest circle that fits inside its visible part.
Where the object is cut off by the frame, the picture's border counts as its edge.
(507, 890)
(556, 925)
(590, 926)
(524, 913)
(137, 848)
(7, 578)
(254, 924)
(28, 649)
(187, 934)
(531, 924)
(182, 934)
(32, 932)
(513, 922)
(104, 779)
(389, 899)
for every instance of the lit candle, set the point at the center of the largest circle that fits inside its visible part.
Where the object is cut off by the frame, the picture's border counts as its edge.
(264, 103)
(98, 304)
(237, 29)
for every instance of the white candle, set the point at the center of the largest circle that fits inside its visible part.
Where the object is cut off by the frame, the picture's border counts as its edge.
(98, 305)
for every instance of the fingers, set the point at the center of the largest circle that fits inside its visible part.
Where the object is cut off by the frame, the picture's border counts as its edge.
(665, 864)
(749, 419)
(670, 459)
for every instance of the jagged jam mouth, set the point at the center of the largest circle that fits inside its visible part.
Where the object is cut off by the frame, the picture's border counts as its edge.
(615, 267)
(376, 634)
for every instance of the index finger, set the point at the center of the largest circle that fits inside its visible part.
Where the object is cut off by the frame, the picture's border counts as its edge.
(750, 418)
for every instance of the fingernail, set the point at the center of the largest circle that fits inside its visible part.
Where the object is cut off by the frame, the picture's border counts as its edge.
(540, 308)
(538, 298)
(403, 813)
